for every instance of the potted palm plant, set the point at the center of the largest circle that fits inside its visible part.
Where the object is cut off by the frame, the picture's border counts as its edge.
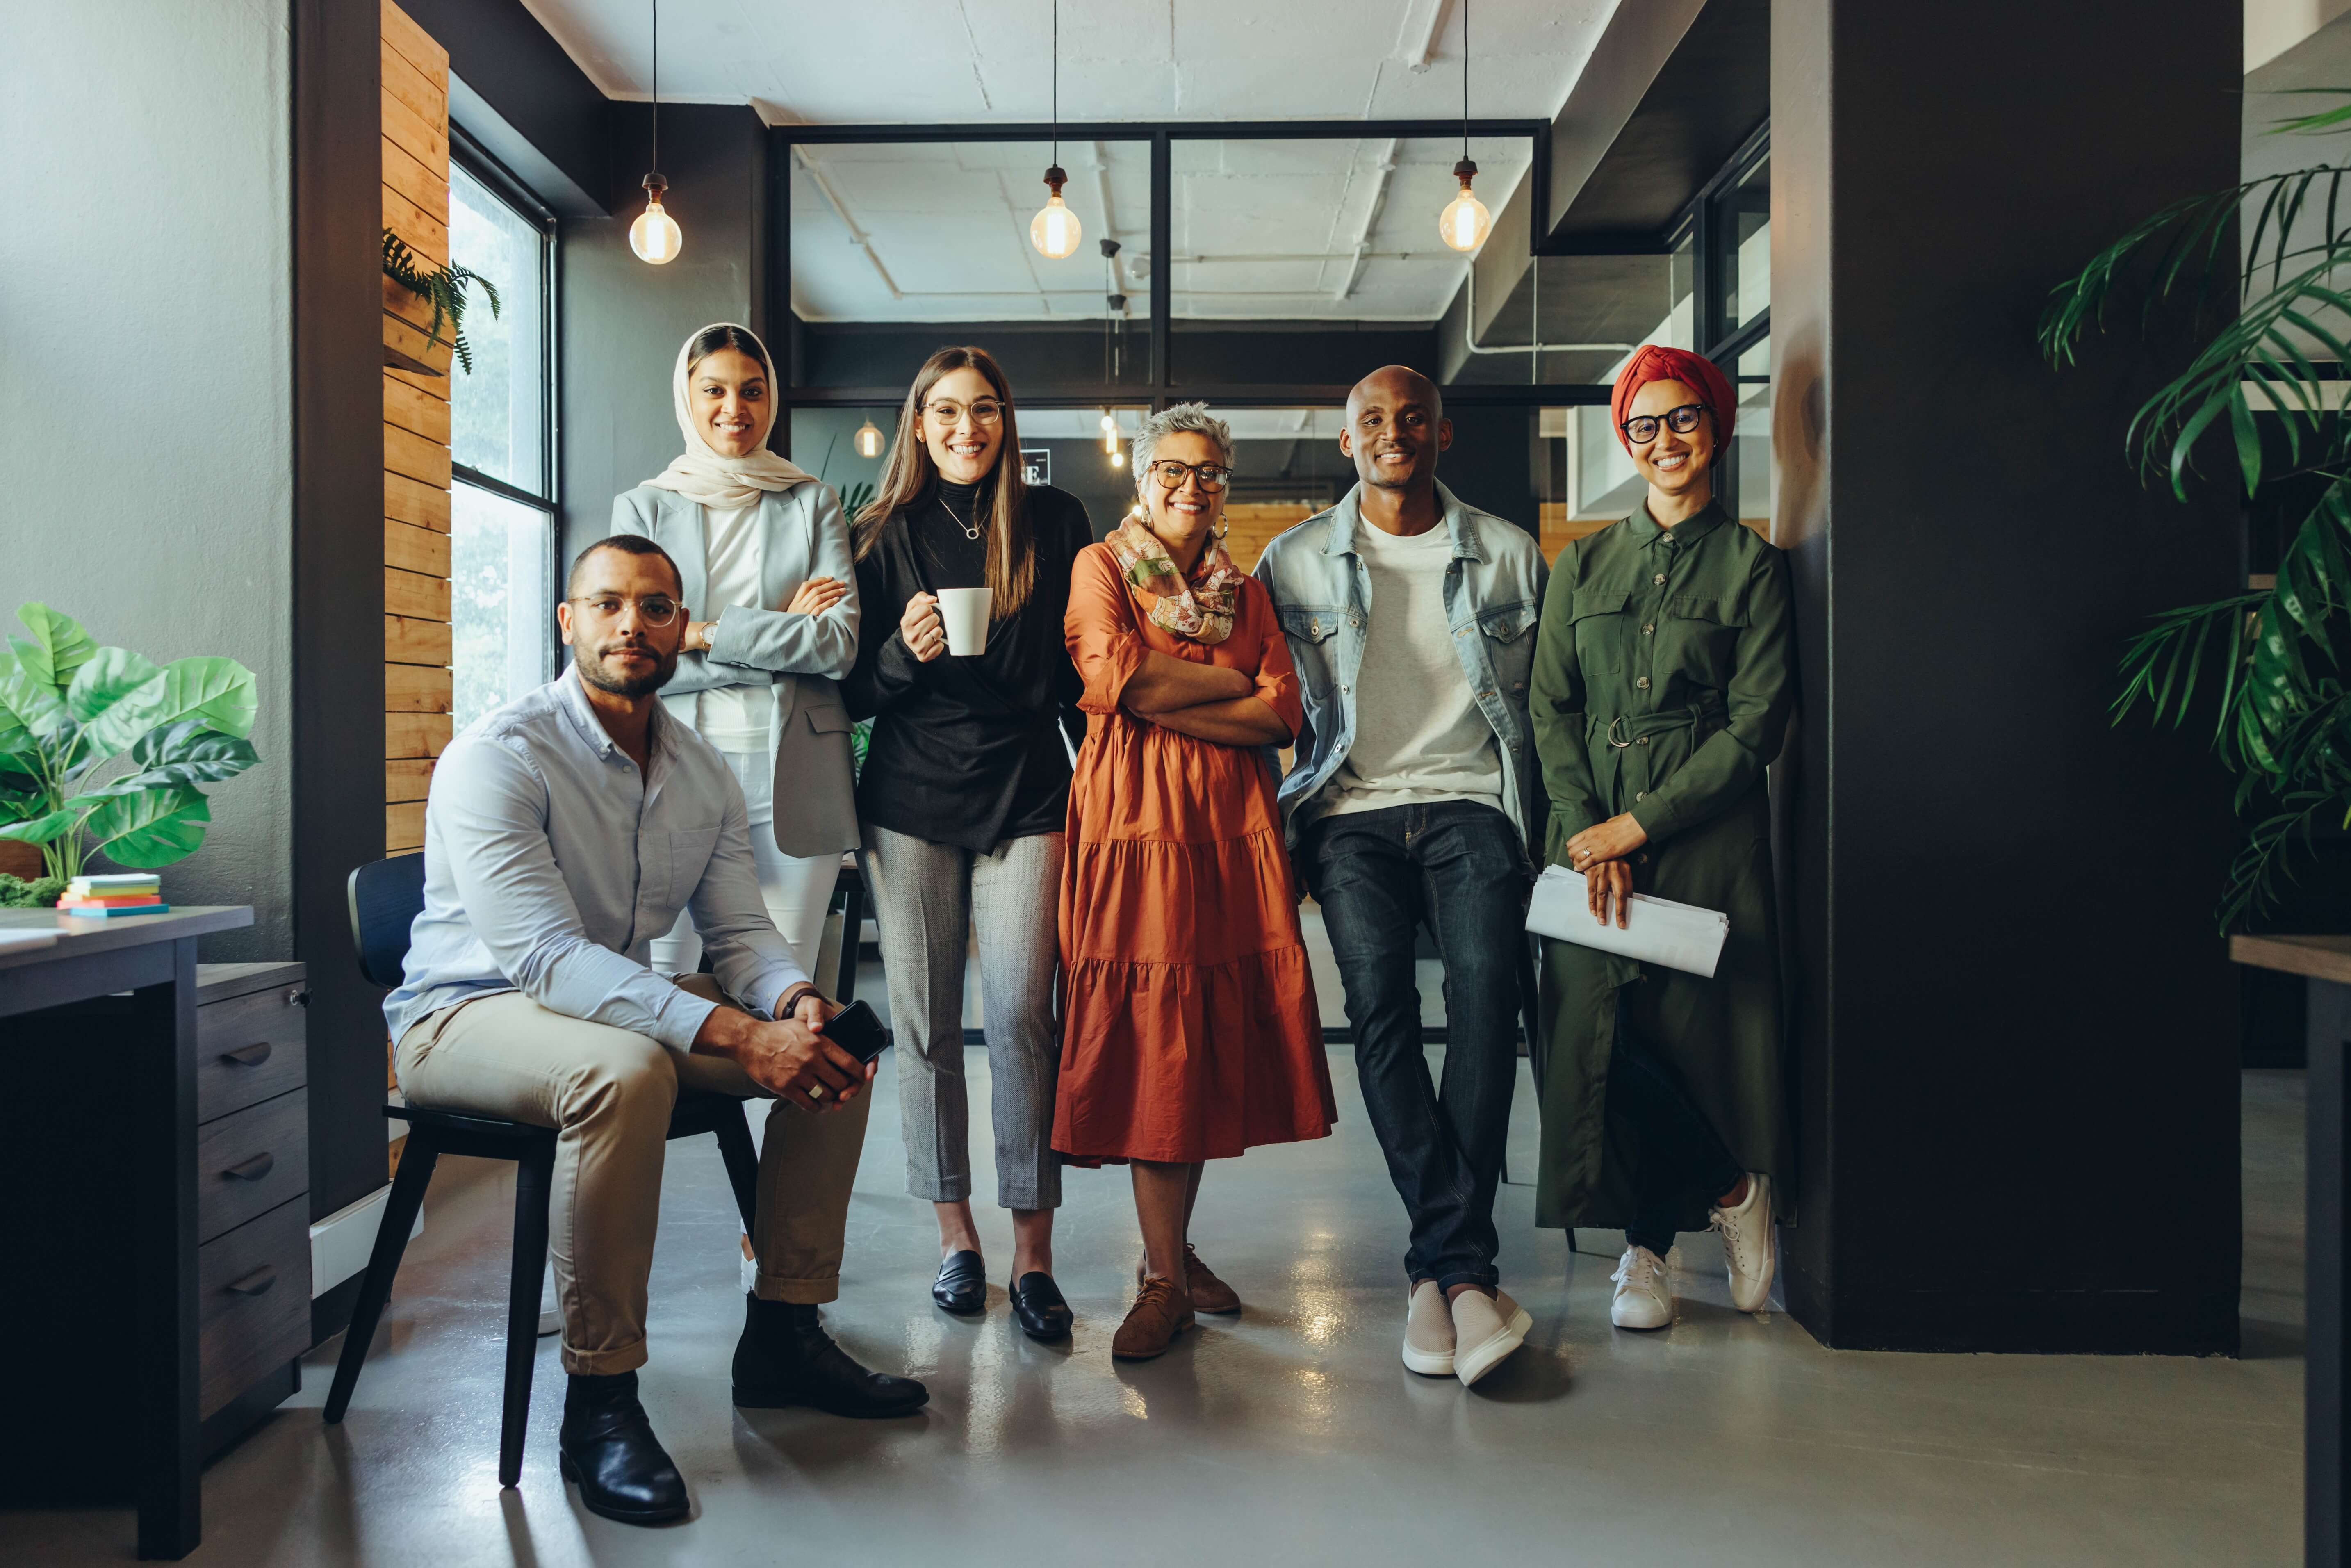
(102, 750)
(2269, 668)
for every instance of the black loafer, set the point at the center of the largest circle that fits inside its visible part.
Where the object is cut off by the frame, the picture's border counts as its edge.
(1037, 1302)
(962, 1285)
(607, 1446)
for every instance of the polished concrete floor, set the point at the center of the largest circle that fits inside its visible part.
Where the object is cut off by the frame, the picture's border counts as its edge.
(1291, 1434)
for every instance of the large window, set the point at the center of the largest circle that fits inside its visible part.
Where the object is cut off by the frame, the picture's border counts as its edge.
(502, 512)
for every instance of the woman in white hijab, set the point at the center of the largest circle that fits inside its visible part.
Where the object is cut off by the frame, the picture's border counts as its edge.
(772, 599)
(770, 595)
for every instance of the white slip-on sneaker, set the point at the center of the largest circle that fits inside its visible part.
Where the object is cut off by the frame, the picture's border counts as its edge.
(1644, 1297)
(1751, 1252)
(1428, 1332)
(1486, 1329)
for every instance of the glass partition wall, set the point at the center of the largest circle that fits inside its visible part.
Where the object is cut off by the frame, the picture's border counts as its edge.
(1262, 268)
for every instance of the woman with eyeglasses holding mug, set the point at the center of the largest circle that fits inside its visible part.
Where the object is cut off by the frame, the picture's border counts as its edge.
(1189, 1030)
(963, 799)
(1662, 685)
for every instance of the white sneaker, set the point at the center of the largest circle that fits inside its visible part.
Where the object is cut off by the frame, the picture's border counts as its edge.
(1751, 1252)
(1486, 1329)
(1644, 1297)
(1428, 1332)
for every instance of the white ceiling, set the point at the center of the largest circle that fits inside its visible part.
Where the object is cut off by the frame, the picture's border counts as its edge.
(914, 61)
(1328, 229)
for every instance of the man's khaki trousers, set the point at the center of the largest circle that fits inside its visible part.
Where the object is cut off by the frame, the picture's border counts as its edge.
(608, 1092)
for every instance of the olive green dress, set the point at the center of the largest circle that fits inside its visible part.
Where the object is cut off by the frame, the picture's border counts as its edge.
(1663, 679)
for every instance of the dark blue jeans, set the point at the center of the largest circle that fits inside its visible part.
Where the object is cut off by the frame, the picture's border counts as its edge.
(1461, 868)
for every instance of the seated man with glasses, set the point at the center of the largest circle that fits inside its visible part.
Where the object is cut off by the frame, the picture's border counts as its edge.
(564, 832)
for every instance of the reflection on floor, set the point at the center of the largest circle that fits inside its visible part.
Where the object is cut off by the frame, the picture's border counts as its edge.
(1291, 1435)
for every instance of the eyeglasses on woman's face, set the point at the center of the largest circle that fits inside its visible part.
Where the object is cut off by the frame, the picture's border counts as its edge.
(653, 609)
(1213, 476)
(946, 413)
(1641, 428)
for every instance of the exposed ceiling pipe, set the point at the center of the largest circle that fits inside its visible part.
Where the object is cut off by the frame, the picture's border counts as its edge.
(1470, 336)
(1386, 167)
(1423, 25)
(858, 236)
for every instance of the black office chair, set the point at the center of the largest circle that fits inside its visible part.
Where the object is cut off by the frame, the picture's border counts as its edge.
(385, 897)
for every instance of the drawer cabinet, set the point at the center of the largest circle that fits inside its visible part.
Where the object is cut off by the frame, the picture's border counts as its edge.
(249, 1044)
(253, 1175)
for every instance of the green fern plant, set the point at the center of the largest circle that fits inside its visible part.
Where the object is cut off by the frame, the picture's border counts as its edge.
(443, 288)
(2272, 663)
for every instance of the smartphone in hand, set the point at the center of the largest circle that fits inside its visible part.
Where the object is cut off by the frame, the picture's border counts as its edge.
(859, 1032)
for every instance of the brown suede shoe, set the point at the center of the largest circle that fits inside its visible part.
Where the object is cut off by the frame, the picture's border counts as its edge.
(1152, 1324)
(1208, 1294)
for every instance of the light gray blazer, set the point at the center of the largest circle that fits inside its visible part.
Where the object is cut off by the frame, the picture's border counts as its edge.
(803, 656)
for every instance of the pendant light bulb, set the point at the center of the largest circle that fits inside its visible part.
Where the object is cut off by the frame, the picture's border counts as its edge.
(868, 439)
(1465, 222)
(654, 237)
(1109, 424)
(1117, 458)
(1055, 230)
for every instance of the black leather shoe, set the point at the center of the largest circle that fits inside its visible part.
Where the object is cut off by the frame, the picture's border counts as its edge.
(785, 1357)
(609, 1448)
(1037, 1302)
(962, 1285)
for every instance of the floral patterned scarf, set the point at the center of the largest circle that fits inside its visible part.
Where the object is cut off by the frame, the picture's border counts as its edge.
(1201, 609)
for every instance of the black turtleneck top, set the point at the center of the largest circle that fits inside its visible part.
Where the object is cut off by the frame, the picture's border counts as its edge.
(968, 751)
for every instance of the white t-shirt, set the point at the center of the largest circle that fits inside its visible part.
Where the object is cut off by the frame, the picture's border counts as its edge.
(1419, 736)
(734, 718)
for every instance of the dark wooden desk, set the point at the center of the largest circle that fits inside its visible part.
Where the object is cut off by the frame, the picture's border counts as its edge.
(2326, 962)
(153, 957)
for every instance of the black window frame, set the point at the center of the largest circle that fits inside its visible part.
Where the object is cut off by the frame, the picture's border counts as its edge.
(505, 186)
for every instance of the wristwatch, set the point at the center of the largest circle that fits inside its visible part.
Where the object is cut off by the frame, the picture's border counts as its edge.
(709, 636)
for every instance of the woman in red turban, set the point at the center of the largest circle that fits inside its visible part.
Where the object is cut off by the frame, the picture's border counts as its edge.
(1663, 682)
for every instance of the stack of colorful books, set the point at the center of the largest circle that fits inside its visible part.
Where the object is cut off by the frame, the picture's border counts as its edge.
(96, 897)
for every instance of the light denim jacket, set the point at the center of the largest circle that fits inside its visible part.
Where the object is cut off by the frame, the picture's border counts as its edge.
(1493, 594)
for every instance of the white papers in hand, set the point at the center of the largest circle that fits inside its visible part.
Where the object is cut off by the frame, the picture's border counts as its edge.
(1657, 930)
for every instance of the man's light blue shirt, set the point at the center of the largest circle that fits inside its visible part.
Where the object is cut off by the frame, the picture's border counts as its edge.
(551, 863)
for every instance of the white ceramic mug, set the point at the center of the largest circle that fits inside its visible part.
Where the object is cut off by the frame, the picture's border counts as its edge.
(963, 611)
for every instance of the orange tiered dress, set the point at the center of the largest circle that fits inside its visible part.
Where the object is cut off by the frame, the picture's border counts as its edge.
(1189, 1030)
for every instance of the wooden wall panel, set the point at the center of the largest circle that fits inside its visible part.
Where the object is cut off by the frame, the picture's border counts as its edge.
(418, 684)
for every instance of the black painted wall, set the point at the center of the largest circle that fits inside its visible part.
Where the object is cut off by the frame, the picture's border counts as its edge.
(338, 575)
(2017, 1029)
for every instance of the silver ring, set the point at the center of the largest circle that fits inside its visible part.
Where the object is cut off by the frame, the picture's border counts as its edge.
(816, 1091)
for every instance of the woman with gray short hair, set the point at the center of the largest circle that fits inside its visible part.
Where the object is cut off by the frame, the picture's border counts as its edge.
(1184, 1039)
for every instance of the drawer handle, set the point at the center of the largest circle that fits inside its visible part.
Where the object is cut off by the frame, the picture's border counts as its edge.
(298, 998)
(253, 1169)
(256, 1283)
(249, 1055)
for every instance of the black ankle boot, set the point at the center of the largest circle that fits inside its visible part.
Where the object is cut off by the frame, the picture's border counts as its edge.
(609, 1448)
(785, 1357)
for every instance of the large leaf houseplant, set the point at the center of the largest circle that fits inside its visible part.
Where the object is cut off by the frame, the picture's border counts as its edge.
(103, 750)
(2270, 668)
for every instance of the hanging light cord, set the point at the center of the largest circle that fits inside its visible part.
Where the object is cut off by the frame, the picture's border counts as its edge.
(657, 87)
(1056, 83)
(1465, 76)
